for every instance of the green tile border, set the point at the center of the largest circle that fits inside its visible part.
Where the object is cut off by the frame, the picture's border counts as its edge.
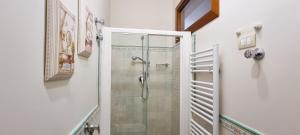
(240, 125)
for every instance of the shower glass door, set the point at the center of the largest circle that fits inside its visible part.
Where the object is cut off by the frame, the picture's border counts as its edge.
(128, 84)
(143, 82)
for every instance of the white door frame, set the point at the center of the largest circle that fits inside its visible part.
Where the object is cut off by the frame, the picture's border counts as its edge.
(105, 88)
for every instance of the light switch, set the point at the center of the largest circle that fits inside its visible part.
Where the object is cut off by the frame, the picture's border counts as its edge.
(243, 41)
(247, 35)
(247, 40)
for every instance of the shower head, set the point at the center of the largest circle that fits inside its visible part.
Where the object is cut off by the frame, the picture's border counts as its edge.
(139, 58)
(134, 57)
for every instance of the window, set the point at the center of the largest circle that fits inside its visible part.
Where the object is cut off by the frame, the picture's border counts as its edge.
(194, 14)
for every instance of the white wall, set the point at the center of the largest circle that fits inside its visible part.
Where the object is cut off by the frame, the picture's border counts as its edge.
(28, 106)
(150, 14)
(263, 95)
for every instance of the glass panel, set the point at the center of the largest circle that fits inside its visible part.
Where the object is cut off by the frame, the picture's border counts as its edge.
(128, 110)
(163, 82)
(145, 85)
(194, 10)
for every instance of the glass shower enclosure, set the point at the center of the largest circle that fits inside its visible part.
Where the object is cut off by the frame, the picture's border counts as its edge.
(143, 93)
(129, 87)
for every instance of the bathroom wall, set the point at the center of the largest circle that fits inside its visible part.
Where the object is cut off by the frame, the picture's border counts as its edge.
(28, 105)
(265, 94)
(150, 14)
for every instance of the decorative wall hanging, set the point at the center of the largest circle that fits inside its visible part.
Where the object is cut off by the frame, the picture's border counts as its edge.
(85, 29)
(60, 41)
(194, 14)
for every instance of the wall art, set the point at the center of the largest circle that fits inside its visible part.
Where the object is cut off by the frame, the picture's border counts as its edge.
(85, 29)
(60, 41)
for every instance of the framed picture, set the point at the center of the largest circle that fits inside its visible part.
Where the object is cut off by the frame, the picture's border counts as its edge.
(60, 41)
(85, 29)
(194, 14)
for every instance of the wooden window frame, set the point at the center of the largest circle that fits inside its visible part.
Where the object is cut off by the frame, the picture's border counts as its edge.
(208, 17)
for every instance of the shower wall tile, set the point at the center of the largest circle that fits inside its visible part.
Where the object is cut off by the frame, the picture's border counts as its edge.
(124, 72)
(159, 123)
(160, 85)
(159, 104)
(128, 110)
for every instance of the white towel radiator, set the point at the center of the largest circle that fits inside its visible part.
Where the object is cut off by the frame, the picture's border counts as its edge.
(204, 95)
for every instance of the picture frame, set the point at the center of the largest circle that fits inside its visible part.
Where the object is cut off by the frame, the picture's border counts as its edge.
(85, 29)
(61, 39)
(191, 15)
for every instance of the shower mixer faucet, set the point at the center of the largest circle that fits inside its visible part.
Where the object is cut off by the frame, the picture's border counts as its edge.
(141, 80)
(89, 129)
(256, 54)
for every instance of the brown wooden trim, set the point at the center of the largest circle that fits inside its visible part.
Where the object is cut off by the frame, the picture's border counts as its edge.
(202, 21)
(215, 6)
(211, 15)
(182, 4)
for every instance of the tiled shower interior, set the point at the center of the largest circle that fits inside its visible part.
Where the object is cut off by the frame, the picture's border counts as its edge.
(159, 115)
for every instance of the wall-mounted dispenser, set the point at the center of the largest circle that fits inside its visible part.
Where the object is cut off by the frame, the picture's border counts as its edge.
(256, 54)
